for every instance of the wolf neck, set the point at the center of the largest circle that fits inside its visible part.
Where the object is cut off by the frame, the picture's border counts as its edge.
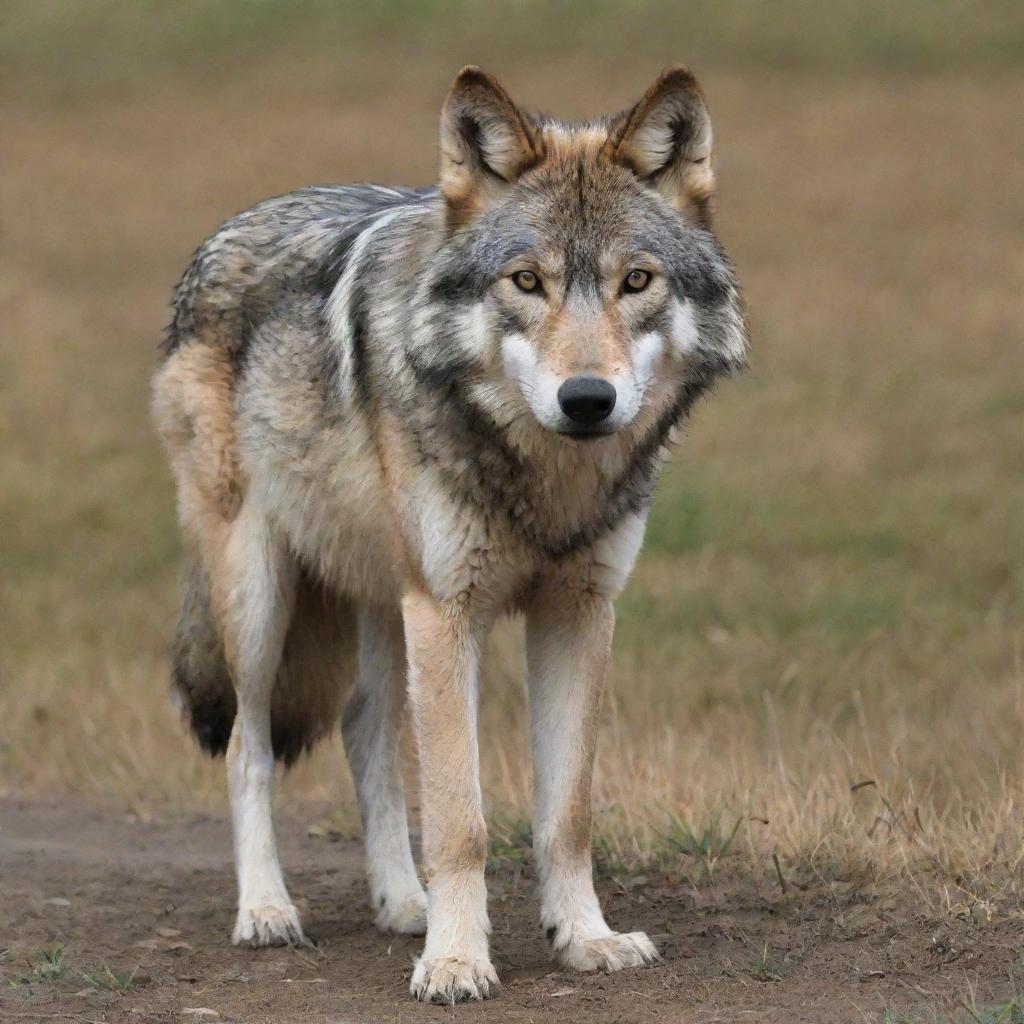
(556, 495)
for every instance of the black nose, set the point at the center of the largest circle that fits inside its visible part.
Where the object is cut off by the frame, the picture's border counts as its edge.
(586, 400)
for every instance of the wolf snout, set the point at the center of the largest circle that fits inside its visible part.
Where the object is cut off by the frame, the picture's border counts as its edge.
(586, 400)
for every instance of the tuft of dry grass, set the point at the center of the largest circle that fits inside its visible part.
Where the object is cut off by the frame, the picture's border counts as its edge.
(818, 668)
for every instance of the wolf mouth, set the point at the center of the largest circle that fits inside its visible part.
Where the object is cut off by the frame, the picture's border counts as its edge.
(585, 435)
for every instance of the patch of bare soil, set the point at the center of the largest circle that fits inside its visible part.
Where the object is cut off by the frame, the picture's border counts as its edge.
(120, 895)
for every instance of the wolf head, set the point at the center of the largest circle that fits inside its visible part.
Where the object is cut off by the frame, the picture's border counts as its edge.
(581, 274)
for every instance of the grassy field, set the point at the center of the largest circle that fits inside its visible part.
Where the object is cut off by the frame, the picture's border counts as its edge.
(819, 668)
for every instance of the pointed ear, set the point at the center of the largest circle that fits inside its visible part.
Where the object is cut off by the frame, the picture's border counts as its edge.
(666, 141)
(486, 142)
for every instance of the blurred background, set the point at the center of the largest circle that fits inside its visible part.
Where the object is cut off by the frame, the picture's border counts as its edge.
(832, 592)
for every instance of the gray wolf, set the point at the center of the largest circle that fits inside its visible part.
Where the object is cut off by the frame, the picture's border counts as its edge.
(395, 415)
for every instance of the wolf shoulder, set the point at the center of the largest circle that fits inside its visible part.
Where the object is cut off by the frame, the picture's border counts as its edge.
(290, 247)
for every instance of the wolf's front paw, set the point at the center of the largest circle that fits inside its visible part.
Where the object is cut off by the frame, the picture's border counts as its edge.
(609, 954)
(268, 924)
(403, 915)
(450, 979)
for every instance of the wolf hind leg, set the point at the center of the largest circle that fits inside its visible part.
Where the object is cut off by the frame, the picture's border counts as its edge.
(371, 727)
(254, 593)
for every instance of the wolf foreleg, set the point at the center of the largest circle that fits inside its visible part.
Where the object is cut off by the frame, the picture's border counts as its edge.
(443, 664)
(568, 638)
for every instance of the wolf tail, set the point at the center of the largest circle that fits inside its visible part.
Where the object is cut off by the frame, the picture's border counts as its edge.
(319, 658)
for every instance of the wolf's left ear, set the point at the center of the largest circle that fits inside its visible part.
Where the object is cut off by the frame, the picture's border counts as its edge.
(486, 142)
(666, 141)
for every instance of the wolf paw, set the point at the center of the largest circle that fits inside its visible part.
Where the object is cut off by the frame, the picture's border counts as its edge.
(268, 924)
(403, 915)
(612, 953)
(450, 979)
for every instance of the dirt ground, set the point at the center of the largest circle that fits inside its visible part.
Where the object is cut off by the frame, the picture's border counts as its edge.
(122, 895)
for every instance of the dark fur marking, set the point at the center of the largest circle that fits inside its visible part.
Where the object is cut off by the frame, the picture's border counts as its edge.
(466, 422)
(358, 323)
(326, 276)
(699, 270)
(473, 260)
(657, 321)
(329, 369)
(250, 315)
(485, 469)
(442, 374)
(510, 321)
(354, 706)
(581, 271)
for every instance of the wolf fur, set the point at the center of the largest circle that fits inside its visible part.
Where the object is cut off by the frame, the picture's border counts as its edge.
(363, 400)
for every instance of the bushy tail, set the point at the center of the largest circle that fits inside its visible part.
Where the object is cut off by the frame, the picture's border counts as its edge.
(319, 664)
(319, 659)
(201, 679)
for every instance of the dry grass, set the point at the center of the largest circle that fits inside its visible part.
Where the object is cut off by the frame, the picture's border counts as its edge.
(834, 584)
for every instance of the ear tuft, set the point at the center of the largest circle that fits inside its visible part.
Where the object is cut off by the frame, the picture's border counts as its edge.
(486, 142)
(666, 141)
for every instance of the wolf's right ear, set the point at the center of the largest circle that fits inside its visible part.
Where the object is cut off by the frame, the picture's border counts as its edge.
(486, 143)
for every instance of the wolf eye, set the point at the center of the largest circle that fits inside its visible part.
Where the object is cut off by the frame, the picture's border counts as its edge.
(636, 281)
(526, 280)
